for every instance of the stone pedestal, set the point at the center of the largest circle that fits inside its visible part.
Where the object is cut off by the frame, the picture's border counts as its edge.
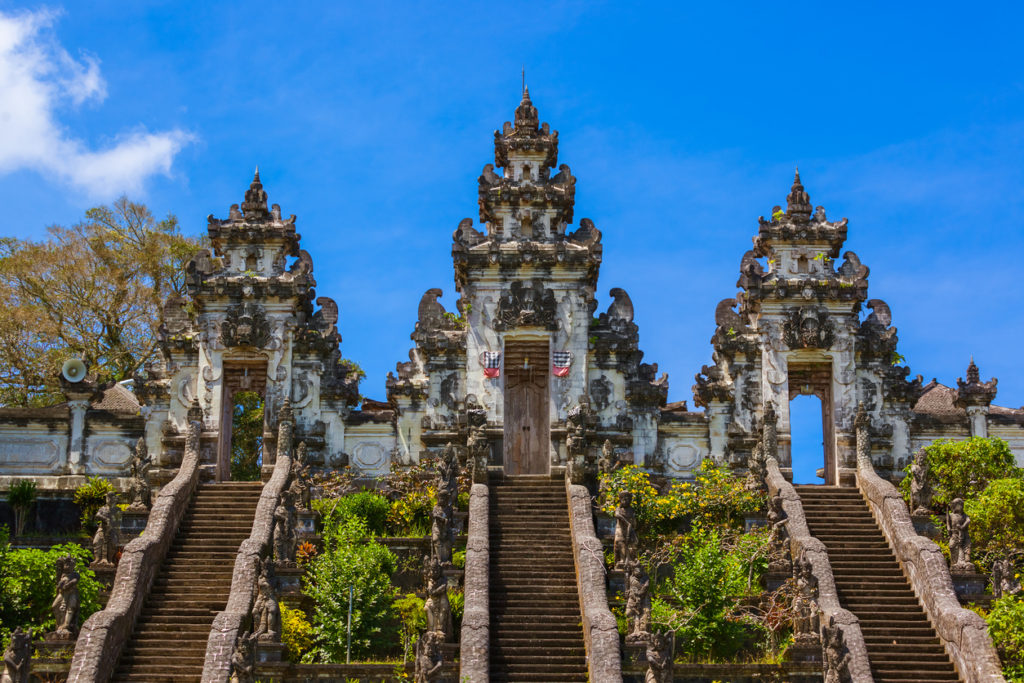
(133, 523)
(269, 651)
(969, 584)
(804, 649)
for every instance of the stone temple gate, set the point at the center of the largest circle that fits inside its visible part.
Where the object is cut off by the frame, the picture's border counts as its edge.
(526, 356)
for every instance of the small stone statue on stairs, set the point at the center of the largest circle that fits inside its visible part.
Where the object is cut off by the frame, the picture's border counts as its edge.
(105, 541)
(659, 658)
(243, 659)
(428, 657)
(18, 657)
(920, 485)
(958, 524)
(140, 492)
(437, 607)
(285, 538)
(638, 603)
(67, 603)
(626, 537)
(266, 614)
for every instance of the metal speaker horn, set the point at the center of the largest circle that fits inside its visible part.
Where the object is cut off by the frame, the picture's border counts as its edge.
(73, 370)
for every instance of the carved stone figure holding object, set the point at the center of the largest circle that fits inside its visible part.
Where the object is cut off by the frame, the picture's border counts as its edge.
(441, 537)
(141, 494)
(18, 657)
(920, 485)
(243, 659)
(428, 657)
(105, 541)
(659, 658)
(638, 603)
(477, 444)
(957, 522)
(284, 529)
(835, 655)
(266, 614)
(778, 537)
(438, 609)
(806, 620)
(67, 602)
(1004, 577)
(757, 472)
(626, 537)
(299, 487)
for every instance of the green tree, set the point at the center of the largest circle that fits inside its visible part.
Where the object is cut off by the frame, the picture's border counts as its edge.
(247, 437)
(997, 519)
(351, 558)
(1006, 626)
(91, 291)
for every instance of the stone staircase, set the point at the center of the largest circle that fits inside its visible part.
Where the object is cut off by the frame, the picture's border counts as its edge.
(536, 631)
(192, 586)
(901, 642)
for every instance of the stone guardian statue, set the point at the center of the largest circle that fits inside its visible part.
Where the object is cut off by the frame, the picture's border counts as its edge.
(243, 659)
(266, 613)
(139, 491)
(18, 657)
(105, 541)
(957, 522)
(438, 609)
(626, 537)
(67, 602)
(285, 537)
(920, 485)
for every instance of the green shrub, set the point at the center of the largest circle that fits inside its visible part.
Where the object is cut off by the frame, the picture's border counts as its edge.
(412, 613)
(646, 503)
(351, 559)
(716, 499)
(997, 519)
(410, 514)
(962, 469)
(371, 507)
(90, 497)
(28, 584)
(1006, 626)
(296, 634)
(20, 496)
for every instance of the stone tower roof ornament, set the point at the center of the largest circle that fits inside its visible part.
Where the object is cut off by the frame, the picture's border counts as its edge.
(798, 203)
(526, 118)
(255, 204)
(974, 392)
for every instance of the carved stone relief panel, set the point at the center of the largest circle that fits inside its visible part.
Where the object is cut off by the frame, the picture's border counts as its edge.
(371, 458)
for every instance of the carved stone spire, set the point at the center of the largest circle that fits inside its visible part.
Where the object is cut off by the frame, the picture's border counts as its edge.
(798, 203)
(255, 204)
(974, 392)
(526, 118)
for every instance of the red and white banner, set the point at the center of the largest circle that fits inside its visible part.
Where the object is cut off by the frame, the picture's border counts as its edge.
(560, 362)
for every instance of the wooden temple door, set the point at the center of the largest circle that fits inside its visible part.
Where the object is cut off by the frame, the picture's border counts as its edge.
(527, 438)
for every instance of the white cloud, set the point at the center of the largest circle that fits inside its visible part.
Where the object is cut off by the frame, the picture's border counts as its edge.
(38, 78)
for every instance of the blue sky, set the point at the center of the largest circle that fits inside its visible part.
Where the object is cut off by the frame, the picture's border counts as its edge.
(371, 122)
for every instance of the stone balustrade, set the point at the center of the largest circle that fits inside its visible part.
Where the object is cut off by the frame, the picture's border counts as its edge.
(474, 655)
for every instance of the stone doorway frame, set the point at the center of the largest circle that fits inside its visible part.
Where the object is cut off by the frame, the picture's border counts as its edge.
(814, 378)
(509, 361)
(239, 374)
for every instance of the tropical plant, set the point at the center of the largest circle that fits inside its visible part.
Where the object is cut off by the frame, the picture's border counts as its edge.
(296, 634)
(90, 497)
(410, 514)
(369, 506)
(1006, 626)
(997, 519)
(20, 497)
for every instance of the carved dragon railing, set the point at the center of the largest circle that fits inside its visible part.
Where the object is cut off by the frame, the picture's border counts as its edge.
(963, 632)
(475, 647)
(600, 632)
(104, 634)
(237, 615)
(803, 543)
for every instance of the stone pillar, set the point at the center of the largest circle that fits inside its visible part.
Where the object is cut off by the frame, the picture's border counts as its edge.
(76, 450)
(717, 413)
(978, 416)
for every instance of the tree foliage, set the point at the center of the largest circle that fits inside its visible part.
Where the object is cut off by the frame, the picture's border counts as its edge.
(247, 436)
(91, 291)
(962, 469)
(28, 584)
(351, 559)
(997, 518)
(1006, 626)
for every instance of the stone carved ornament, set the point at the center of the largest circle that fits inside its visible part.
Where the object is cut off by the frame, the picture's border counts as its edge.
(18, 657)
(67, 603)
(245, 325)
(808, 328)
(526, 304)
(600, 392)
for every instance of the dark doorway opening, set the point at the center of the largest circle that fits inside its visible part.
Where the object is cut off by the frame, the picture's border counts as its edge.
(527, 430)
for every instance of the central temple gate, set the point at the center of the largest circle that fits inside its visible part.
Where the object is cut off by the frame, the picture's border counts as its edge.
(527, 438)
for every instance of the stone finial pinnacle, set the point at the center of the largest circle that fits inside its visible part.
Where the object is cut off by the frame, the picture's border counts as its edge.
(255, 204)
(798, 202)
(526, 114)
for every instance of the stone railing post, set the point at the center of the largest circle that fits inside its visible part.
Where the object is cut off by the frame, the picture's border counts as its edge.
(475, 641)
(600, 632)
